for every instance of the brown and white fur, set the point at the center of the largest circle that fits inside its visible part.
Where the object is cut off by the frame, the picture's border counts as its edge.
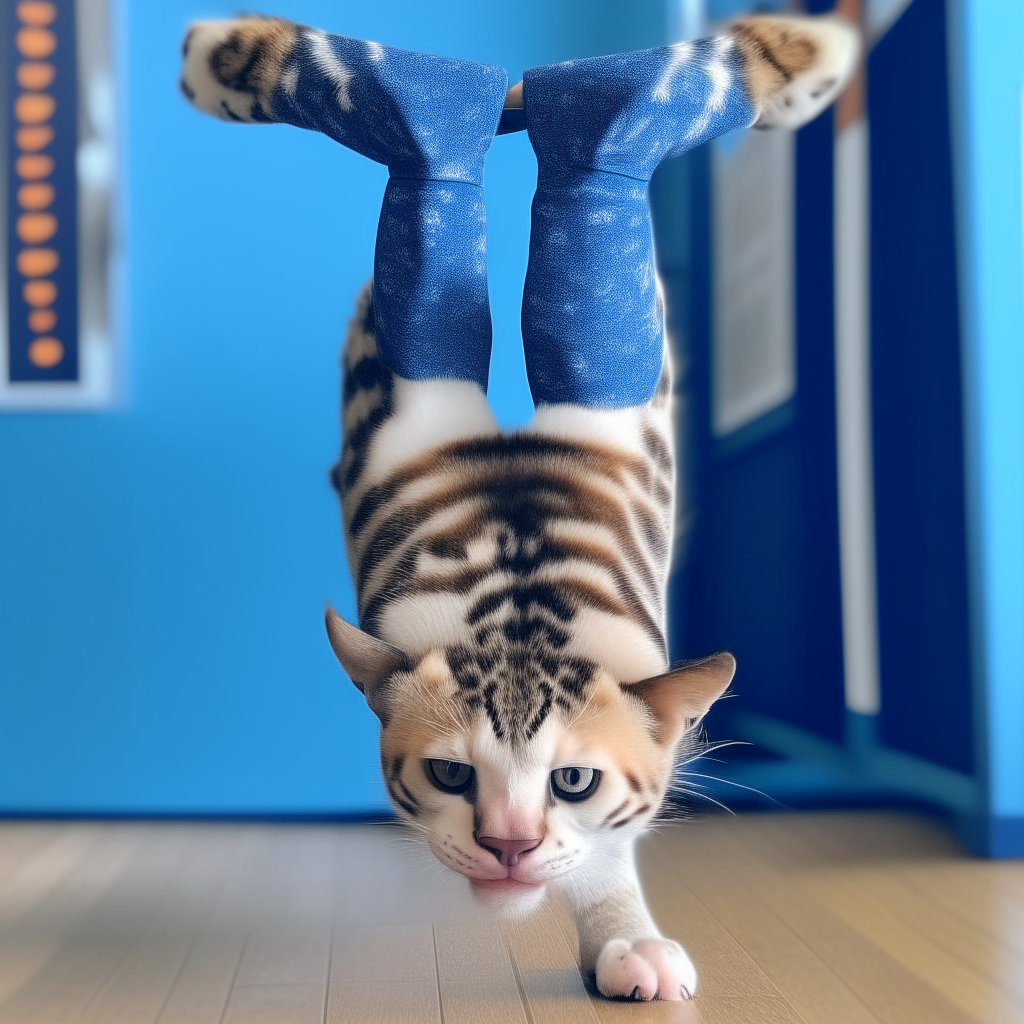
(511, 592)
(511, 586)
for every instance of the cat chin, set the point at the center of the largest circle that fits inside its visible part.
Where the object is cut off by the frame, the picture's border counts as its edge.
(508, 897)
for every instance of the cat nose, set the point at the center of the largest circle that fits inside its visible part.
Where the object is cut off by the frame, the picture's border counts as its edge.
(508, 851)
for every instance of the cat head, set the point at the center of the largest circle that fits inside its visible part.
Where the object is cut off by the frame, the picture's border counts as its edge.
(516, 793)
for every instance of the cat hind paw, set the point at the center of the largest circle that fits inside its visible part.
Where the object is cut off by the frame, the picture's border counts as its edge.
(231, 68)
(795, 66)
(646, 969)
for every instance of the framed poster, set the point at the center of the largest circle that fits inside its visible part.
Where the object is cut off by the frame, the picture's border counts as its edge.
(56, 343)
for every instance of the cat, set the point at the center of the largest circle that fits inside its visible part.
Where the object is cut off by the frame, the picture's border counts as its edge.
(511, 585)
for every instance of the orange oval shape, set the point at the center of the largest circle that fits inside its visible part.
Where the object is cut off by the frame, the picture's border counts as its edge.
(36, 12)
(42, 320)
(33, 167)
(37, 196)
(34, 107)
(35, 42)
(37, 262)
(35, 75)
(32, 139)
(33, 228)
(39, 293)
(45, 352)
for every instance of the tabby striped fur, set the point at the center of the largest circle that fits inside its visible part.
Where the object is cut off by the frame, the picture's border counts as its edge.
(527, 557)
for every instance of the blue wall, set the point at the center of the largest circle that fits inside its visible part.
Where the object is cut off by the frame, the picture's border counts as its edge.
(164, 566)
(988, 78)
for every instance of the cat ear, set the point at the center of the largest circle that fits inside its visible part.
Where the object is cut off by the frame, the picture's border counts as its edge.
(684, 694)
(367, 660)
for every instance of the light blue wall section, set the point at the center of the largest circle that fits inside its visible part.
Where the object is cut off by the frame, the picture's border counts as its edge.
(163, 567)
(988, 85)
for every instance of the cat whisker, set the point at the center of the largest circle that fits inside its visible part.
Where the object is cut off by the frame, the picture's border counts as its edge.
(738, 785)
(712, 800)
(711, 748)
(696, 790)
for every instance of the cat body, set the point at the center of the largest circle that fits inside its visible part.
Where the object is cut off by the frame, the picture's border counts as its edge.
(522, 577)
(511, 585)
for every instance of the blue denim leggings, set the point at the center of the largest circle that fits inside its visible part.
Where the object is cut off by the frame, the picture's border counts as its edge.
(592, 323)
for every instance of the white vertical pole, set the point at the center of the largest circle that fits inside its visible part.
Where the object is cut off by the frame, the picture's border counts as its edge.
(853, 421)
(853, 401)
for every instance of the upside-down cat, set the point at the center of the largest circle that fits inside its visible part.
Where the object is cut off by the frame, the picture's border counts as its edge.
(511, 586)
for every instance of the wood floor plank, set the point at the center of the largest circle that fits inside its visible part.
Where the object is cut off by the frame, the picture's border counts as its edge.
(770, 1010)
(38, 928)
(35, 928)
(97, 941)
(275, 1004)
(1010, 876)
(286, 956)
(867, 837)
(893, 994)
(962, 986)
(386, 875)
(199, 993)
(283, 974)
(956, 936)
(858, 918)
(725, 971)
(66, 984)
(46, 868)
(399, 1002)
(138, 987)
(475, 976)
(251, 894)
(20, 842)
(383, 975)
(622, 1011)
(547, 970)
(20, 959)
(702, 863)
(974, 893)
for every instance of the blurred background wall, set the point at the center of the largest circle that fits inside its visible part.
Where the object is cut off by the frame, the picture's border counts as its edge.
(846, 309)
(848, 304)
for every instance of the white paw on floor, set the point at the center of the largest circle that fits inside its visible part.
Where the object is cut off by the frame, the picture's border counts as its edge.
(646, 969)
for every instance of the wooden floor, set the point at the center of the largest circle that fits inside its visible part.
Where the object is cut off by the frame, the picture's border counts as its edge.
(827, 919)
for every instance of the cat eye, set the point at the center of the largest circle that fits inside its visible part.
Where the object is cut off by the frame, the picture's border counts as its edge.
(449, 776)
(574, 784)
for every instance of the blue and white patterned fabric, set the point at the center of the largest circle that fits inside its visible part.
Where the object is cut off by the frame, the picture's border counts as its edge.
(592, 322)
(431, 120)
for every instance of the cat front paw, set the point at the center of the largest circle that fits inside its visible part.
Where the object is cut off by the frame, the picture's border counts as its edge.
(646, 969)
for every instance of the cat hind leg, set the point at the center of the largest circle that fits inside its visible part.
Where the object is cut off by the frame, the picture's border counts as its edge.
(429, 119)
(592, 321)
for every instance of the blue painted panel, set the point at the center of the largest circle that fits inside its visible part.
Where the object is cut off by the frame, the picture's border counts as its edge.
(988, 84)
(999, 836)
(163, 567)
(761, 569)
(916, 409)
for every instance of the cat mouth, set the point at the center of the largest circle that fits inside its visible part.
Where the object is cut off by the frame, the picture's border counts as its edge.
(503, 887)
